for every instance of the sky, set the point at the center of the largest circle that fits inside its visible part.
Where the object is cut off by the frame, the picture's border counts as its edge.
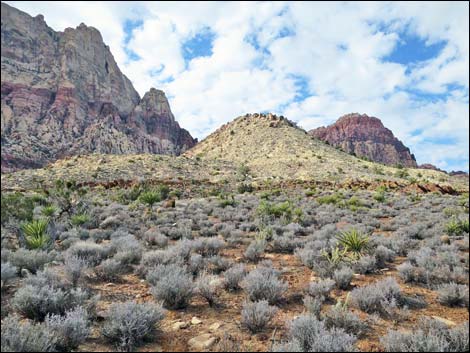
(406, 63)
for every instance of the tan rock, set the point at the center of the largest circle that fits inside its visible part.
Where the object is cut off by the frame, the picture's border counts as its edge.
(214, 327)
(195, 321)
(445, 321)
(204, 341)
(180, 325)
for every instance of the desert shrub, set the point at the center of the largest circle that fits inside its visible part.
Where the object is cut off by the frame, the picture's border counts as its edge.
(172, 285)
(70, 330)
(321, 289)
(255, 250)
(129, 324)
(381, 297)
(234, 276)
(430, 336)
(457, 226)
(343, 277)
(74, 267)
(127, 249)
(110, 270)
(35, 233)
(255, 316)
(37, 302)
(49, 211)
(330, 199)
(206, 286)
(208, 247)
(308, 334)
(323, 261)
(263, 283)
(365, 264)
(79, 219)
(154, 237)
(19, 336)
(354, 242)
(16, 206)
(313, 305)
(383, 255)
(150, 197)
(32, 260)
(285, 244)
(284, 211)
(92, 253)
(218, 264)
(339, 316)
(453, 294)
(8, 273)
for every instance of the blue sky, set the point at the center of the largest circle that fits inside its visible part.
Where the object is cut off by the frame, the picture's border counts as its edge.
(405, 63)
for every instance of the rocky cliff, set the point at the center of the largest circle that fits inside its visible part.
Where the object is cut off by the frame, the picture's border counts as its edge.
(63, 94)
(366, 137)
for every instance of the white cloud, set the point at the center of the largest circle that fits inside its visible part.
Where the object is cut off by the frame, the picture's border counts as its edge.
(338, 48)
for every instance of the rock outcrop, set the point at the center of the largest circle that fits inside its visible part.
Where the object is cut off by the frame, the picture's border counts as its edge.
(63, 94)
(430, 167)
(366, 137)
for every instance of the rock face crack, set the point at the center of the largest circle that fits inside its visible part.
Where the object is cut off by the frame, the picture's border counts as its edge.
(62, 92)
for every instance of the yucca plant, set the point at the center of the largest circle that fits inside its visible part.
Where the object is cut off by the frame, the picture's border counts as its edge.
(354, 242)
(150, 197)
(79, 219)
(35, 233)
(49, 211)
(335, 256)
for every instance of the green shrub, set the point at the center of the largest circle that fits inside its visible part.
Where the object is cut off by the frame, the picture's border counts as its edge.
(79, 219)
(457, 226)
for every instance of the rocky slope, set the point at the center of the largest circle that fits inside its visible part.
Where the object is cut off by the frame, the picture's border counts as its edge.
(63, 94)
(367, 137)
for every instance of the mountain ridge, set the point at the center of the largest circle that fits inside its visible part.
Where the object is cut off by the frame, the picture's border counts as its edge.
(64, 94)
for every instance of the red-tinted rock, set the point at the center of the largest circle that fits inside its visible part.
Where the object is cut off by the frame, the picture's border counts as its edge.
(63, 94)
(430, 166)
(366, 137)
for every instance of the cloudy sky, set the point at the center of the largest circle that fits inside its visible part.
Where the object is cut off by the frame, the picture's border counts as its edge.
(405, 63)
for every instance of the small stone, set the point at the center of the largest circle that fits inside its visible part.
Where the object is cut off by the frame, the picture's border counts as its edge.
(180, 325)
(445, 239)
(204, 341)
(195, 321)
(138, 296)
(25, 272)
(214, 327)
(444, 321)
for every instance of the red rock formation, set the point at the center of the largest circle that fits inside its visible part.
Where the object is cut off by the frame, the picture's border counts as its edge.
(63, 94)
(430, 166)
(366, 136)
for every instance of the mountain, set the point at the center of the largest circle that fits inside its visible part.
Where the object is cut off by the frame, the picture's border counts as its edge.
(273, 151)
(367, 137)
(63, 94)
(273, 146)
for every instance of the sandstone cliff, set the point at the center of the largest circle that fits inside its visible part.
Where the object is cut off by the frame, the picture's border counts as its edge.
(366, 137)
(63, 94)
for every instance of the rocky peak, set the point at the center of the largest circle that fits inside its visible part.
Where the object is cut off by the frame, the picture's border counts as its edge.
(367, 137)
(63, 93)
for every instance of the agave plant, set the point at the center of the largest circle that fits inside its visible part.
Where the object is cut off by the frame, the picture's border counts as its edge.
(335, 256)
(354, 242)
(35, 233)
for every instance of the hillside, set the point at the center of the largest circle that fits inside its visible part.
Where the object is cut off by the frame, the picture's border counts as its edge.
(273, 147)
